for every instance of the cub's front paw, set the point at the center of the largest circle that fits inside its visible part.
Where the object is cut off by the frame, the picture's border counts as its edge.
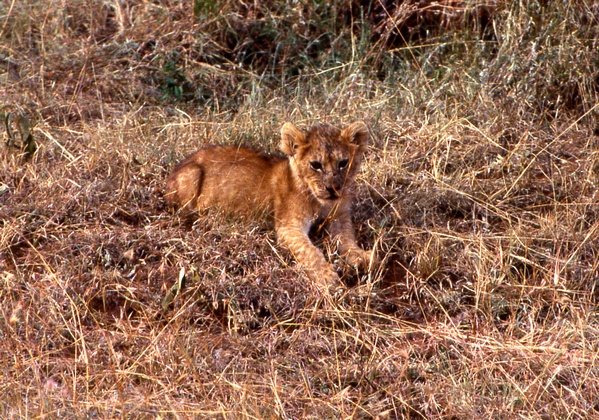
(326, 280)
(361, 259)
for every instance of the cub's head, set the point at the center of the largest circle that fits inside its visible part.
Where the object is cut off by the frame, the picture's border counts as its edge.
(324, 158)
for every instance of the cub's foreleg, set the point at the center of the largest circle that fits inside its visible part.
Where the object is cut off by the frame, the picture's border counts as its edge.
(343, 235)
(295, 238)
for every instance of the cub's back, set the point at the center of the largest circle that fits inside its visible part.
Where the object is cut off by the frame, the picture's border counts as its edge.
(233, 178)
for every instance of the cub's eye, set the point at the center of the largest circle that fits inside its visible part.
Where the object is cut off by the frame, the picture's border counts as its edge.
(343, 163)
(316, 166)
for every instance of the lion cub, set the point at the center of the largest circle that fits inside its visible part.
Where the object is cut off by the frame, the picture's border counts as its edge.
(313, 183)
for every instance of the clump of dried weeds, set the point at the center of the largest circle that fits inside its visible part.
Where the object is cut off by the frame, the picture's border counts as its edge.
(479, 192)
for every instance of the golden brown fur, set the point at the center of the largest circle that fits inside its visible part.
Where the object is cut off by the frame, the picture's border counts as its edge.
(314, 181)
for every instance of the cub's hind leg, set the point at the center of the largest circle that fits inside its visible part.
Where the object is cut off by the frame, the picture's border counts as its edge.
(184, 185)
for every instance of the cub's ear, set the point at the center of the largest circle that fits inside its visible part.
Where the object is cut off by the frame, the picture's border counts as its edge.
(356, 133)
(291, 139)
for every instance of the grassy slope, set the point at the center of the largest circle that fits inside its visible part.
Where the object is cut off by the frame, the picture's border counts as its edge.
(480, 191)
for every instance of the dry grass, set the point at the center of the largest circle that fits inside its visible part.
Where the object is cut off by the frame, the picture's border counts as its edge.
(479, 191)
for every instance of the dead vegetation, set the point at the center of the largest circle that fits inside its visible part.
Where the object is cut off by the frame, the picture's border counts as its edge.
(479, 191)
